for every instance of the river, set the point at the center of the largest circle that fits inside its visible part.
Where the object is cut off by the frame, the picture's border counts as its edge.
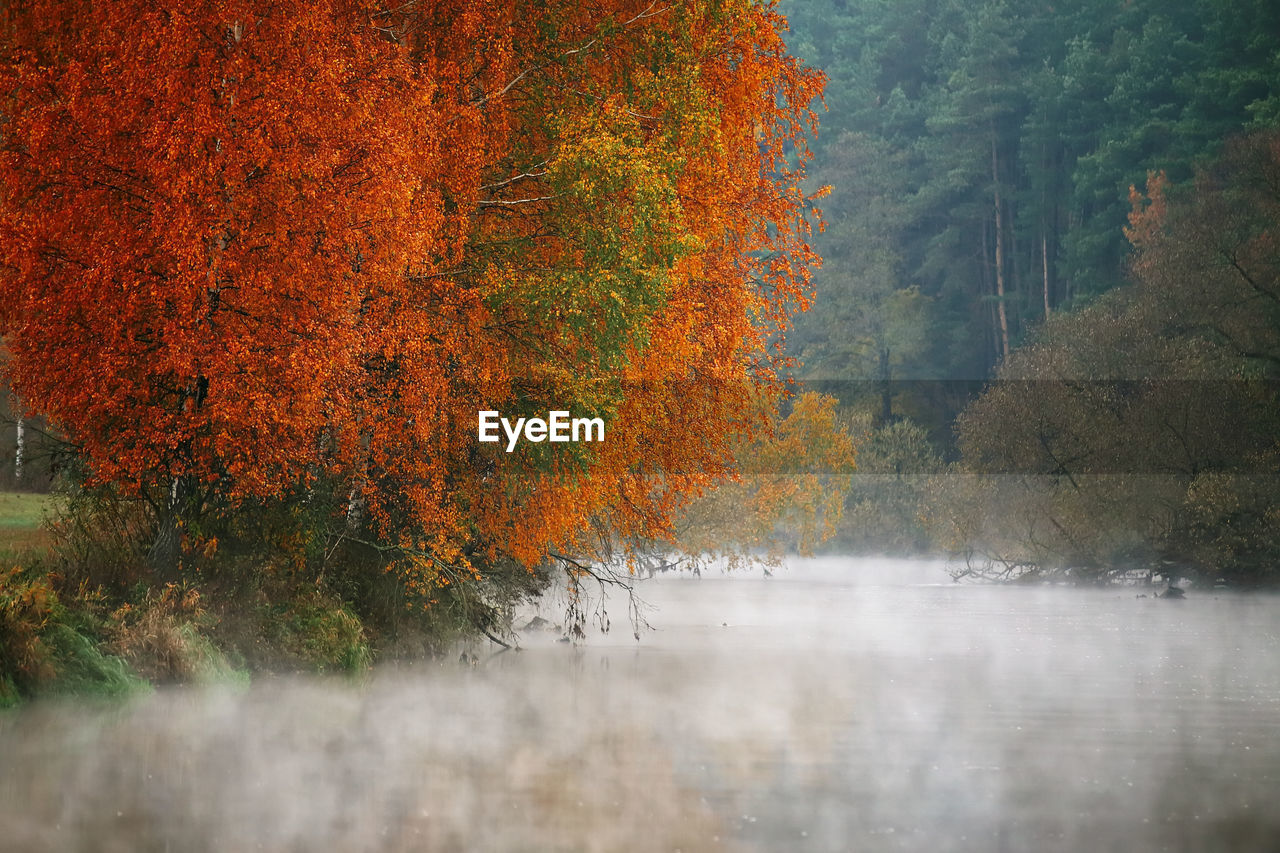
(865, 705)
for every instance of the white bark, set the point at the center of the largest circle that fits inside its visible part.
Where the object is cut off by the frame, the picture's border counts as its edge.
(19, 451)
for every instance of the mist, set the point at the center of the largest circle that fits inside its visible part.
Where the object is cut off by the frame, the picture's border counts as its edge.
(839, 704)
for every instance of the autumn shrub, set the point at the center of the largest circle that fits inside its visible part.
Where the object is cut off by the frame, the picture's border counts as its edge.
(165, 637)
(275, 584)
(48, 647)
(789, 495)
(26, 606)
(286, 584)
(1138, 435)
(327, 555)
(300, 588)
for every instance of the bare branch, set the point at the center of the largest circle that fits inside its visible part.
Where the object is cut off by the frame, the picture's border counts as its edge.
(498, 202)
(515, 178)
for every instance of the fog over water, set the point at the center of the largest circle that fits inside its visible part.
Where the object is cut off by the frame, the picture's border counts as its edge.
(838, 705)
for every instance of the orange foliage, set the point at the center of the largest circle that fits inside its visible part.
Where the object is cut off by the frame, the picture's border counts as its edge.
(790, 489)
(245, 245)
(1147, 212)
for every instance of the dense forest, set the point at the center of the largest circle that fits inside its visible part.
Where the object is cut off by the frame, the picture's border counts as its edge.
(981, 154)
(989, 165)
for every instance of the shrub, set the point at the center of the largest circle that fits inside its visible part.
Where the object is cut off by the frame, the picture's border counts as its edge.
(26, 607)
(320, 633)
(46, 647)
(164, 637)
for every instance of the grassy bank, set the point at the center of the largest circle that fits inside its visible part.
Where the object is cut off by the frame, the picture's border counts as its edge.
(48, 644)
(77, 618)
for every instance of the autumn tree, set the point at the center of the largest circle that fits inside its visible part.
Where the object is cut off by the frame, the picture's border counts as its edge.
(286, 253)
(789, 493)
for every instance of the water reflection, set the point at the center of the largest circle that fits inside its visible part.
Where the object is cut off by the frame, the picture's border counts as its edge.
(839, 705)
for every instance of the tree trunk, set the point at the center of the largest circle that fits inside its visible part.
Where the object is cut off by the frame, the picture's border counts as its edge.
(1000, 294)
(19, 451)
(1048, 166)
(165, 546)
(992, 338)
(1044, 256)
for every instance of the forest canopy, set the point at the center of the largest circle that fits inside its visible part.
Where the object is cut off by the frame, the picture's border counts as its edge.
(980, 156)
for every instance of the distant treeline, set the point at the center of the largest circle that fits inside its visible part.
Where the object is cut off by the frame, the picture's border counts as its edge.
(1139, 434)
(981, 156)
(1079, 201)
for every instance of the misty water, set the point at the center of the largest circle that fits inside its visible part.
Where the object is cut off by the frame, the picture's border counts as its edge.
(838, 705)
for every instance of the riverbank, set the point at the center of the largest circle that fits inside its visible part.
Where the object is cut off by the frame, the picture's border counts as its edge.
(63, 635)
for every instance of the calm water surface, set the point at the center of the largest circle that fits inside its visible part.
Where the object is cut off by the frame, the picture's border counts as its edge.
(839, 705)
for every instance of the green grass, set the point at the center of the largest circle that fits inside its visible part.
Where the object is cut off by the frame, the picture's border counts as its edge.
(22, 517)
(23, 509)
(83, 670)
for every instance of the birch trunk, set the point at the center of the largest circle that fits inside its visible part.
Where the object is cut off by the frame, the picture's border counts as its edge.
(1000, 292)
